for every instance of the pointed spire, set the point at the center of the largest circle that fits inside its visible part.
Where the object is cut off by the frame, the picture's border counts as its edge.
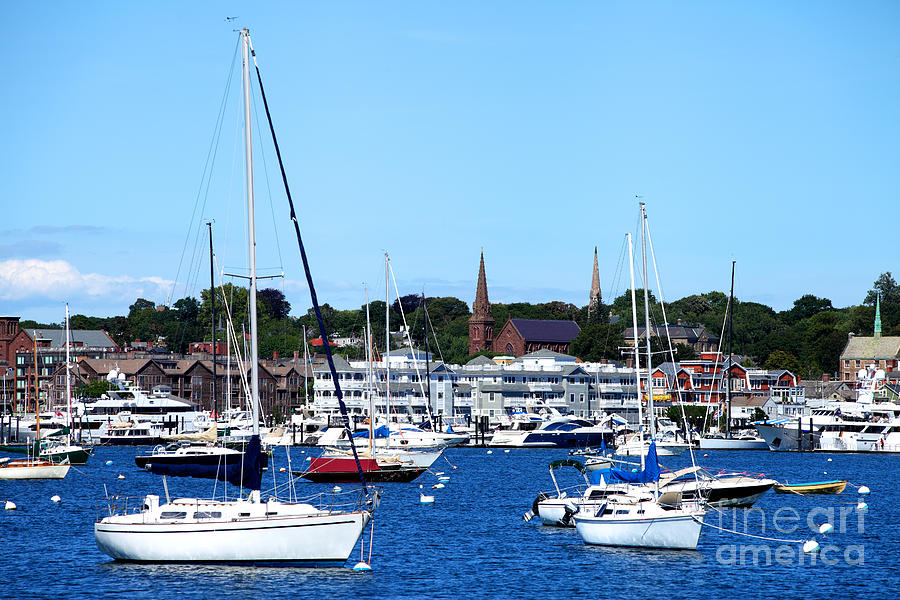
(596, 296)
(878, 316)
(482, 306)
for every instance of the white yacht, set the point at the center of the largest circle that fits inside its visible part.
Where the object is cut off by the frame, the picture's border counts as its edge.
(159, 407)
(558, 432)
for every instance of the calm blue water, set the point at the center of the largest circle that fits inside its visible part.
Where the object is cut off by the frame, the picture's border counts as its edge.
(471, 541)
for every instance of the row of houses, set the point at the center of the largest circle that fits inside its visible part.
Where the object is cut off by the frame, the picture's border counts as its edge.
(505, 385)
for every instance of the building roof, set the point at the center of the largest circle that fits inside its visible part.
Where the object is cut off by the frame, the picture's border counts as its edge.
(871, 348)
(89, 338)
(129, 366)
(540, 330)
(480, 360)
(543, 353)
(689, 333)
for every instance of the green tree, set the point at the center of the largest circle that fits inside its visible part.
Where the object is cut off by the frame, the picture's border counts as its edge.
(598, 341)
(886, 287)
(94, 389)
(779, 359)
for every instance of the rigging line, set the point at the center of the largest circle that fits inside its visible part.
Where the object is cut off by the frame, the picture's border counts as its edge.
(207, 167)
(262, 153)
(312, 289)
(409, 340)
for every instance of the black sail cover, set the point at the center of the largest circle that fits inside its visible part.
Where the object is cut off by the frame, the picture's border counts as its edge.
(246, 472)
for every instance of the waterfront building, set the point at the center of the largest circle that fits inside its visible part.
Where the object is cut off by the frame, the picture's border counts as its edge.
(882, 352)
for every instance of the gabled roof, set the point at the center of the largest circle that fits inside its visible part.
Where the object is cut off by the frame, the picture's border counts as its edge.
(870, 348)
(89, 338)
(480, 360)
(690, 333)
(540, 330)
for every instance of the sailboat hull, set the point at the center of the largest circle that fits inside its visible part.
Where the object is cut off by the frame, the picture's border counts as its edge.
(317, 540)
(677, 532)
(29, 471)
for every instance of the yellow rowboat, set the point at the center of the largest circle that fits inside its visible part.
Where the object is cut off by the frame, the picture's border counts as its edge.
(819, 487)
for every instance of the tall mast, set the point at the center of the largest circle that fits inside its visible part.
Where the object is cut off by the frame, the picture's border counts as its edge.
(730, 340)
(251, 232)
(68, 374)
(647, 322)
(371, 379)
(212, 296)
(637, 350)
(37, 394)
(305, 363)
(427, 365)
(387, 338)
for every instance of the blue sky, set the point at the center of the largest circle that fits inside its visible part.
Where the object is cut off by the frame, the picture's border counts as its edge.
(764, 132)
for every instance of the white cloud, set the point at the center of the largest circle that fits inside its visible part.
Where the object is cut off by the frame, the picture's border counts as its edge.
(35, 279)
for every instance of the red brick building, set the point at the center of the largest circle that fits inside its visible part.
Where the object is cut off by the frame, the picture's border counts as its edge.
(521, 336)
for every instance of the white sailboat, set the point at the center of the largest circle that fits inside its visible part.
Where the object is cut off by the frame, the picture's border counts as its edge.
(635, 514)
(247, 529)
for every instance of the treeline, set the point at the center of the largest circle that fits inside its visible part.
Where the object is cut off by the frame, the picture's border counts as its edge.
(807, 339)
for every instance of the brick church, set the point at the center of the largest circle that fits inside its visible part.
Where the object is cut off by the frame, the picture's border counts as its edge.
(520, 336)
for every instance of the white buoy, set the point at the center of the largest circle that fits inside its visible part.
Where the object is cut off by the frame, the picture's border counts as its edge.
(490, 451)
(120, 476)
(309, 458)
(863, 490)
(361, 566)
(303, 452)
(811, 546)
(455, 467)
(829, 460)
(825, 472)
(706, 456)
(507, 451)
(423, 498)
(282, 470)
(826, 528)
(336, 488)
(438, 486)
(108, 463)
(862, 506)
(55, 498)
(10, 505)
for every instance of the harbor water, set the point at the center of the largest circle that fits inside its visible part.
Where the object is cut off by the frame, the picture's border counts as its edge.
(473, 541)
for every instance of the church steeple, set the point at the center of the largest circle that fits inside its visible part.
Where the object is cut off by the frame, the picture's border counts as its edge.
(481, 323)
(596, 296)
(877, 316)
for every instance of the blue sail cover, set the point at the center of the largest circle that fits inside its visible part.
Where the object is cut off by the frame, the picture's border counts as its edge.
(246, 472)
(382, 432)
(649, 474)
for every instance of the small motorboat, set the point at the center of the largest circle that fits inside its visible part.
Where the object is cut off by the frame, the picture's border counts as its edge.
(817, 487)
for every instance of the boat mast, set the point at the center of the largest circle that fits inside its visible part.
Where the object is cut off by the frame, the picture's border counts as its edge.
(387, 339)
(212, 296)
(650, 408)
(68, 376)
(251, 232)
(637, 350)
(37, 395)
(730, 340)
(427, 365)
(371, 378)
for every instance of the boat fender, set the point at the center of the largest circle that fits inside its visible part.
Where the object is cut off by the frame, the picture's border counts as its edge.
(863, 490)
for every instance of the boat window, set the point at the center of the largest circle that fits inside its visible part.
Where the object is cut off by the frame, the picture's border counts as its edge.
(641, 511)
(208, 515)
(622, 512)
(246, 514)
(608, 511)
(173, 515)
